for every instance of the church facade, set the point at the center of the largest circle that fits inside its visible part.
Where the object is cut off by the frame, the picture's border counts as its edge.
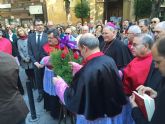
(99, 10)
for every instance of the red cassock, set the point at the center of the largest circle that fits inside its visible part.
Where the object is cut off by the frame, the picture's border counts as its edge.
(136, 73)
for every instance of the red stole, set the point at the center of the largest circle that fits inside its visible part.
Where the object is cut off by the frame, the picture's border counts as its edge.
(136, 72)
(23, 37)
(92, 56)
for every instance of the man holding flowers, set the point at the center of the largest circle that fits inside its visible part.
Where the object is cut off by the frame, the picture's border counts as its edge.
(96, 92)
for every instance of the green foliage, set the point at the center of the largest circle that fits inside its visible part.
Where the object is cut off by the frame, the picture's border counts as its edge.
(82, 10)
(61, 66)
(143, 8)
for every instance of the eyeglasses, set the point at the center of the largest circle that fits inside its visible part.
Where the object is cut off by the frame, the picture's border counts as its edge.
(153, 22)
(137, 45)
(157, 32)
(67, 33)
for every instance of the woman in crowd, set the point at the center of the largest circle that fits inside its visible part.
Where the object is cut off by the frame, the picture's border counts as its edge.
(51, 101)
(13, 39)
(98, 31)
(61, 31)
(25, 61)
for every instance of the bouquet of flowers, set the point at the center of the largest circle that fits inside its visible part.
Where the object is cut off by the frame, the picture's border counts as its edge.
(60, 59)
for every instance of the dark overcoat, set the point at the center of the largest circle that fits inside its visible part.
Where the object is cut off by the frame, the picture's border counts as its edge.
(12, 106)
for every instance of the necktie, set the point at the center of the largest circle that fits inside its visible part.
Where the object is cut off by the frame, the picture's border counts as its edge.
(38, 41)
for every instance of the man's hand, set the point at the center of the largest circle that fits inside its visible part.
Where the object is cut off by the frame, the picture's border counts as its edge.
(41, 66)
(27, 60)
(56, 79)
(132, 101)
(149, 91)
(38, 65)
(75, 67)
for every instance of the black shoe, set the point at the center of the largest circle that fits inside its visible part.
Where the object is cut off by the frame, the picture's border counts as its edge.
(40, 97)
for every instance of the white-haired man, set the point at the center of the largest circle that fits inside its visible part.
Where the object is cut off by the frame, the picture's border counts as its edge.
(84, 29)
(115, 48)
(132, 32)
(158, 51)
(159, 29)
(154, 21)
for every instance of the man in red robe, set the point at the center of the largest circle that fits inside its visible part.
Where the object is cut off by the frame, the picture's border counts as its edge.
(141, 70)
(159, 97)
(131, 33)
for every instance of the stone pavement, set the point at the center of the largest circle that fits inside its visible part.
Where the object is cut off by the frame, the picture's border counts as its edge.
(43, 117)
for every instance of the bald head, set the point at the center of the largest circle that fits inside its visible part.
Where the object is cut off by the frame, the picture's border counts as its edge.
(89, 40)
(134, 29)
(159, 29)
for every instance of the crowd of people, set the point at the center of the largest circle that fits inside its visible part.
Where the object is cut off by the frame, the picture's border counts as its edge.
(115, 62)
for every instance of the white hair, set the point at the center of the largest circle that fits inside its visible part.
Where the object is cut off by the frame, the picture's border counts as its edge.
(156, 19)
(161, 25)
(146, 39)
(135, 29)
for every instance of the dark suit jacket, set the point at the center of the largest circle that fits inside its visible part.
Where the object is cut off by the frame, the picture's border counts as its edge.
(12, 106)
(158, 116)
(98, 77)
(156, 81)
(34, 50)
(118, 51)
(14, 45)
(154, 78)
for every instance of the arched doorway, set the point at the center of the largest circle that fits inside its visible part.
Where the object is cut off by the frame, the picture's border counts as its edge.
(113, 8)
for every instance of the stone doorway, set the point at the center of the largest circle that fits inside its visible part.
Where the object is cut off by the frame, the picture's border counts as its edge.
(113, 8)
